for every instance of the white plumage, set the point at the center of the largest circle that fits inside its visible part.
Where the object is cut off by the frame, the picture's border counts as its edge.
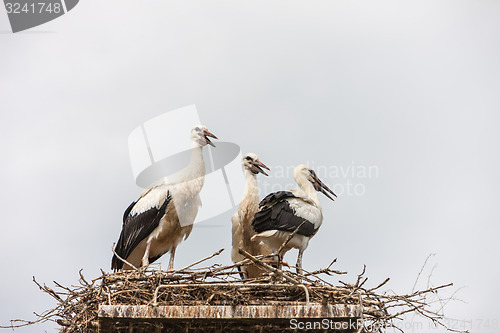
(242, 220)
(164, 213)
(282, 212)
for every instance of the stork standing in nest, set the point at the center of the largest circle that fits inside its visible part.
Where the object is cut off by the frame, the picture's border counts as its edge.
(242, 220)
(281, 213)
(164, 214)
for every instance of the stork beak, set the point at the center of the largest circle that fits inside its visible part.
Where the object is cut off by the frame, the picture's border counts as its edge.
(257, 167)
(208, 135)
(321, 187)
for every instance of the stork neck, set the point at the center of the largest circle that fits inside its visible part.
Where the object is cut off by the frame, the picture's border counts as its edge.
(251, 188)
(309, 190)
(196, 166)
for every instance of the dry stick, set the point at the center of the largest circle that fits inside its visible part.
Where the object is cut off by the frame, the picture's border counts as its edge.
(411, 309)
(430, 275)
(357, 287)
(239, 263)
(80, 307)
(417, 293)
(290, 237)
(452, 297)
(360, 276)
(248, 261)
(62, 287)
(48, 291)
(45, 316)
(326, 271)
(266, 266)
(441, 301)
(82, 278)
(333, 262)
(303, 279)
(421, 270)
(380, 285)
(199, 261)
(125, 261)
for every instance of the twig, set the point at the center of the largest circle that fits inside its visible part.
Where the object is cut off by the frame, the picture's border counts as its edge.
(200, 261)
(266, 266)
(125, 261)
(380, 285)
(77, 306)
(290, 237)
(421, 270)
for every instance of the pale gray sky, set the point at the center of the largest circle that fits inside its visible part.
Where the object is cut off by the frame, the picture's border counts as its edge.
(410, 87)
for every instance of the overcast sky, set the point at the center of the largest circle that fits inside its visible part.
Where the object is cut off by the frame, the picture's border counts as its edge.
(409, 88)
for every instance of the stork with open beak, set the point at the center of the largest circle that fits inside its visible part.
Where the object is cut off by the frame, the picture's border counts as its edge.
(164, 213)
(242, 220)
(280, 213)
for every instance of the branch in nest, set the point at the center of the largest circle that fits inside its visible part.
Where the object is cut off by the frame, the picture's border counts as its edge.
(77, 306)
(200, 261)
(290, 237)
(267, 267)
(125, 261)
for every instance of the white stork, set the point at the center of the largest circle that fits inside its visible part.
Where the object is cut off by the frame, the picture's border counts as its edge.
(242, 220)
(164, 214)
(282, 212)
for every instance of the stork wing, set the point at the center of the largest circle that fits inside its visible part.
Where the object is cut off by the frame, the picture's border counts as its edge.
(273, 198)
(276, 214)
(139, 223)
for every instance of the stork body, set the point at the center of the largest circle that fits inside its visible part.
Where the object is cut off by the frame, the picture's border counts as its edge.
(163, 215)
(282, 212)
(242, 231)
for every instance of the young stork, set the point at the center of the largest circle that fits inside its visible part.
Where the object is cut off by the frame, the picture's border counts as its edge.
(163, 215)
(242, 220)
(282, 212)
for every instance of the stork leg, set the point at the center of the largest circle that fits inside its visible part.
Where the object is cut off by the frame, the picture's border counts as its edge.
(145, 258)
(171, 262)
(273, 261)
(299, 262)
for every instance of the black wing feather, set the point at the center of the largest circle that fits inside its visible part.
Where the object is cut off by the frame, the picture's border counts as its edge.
(276, 214)
(135, 229)
(273, 198)
(153, 259)
(127, 211)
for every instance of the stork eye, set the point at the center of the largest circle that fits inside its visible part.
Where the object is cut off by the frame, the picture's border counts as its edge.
(197, 129)
(248, 158)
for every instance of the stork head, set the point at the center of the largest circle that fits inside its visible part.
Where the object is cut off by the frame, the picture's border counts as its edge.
(302, 171)
(201, 135)
(251, 163)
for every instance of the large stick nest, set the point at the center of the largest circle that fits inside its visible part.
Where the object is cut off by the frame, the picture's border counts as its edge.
(77, 306)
